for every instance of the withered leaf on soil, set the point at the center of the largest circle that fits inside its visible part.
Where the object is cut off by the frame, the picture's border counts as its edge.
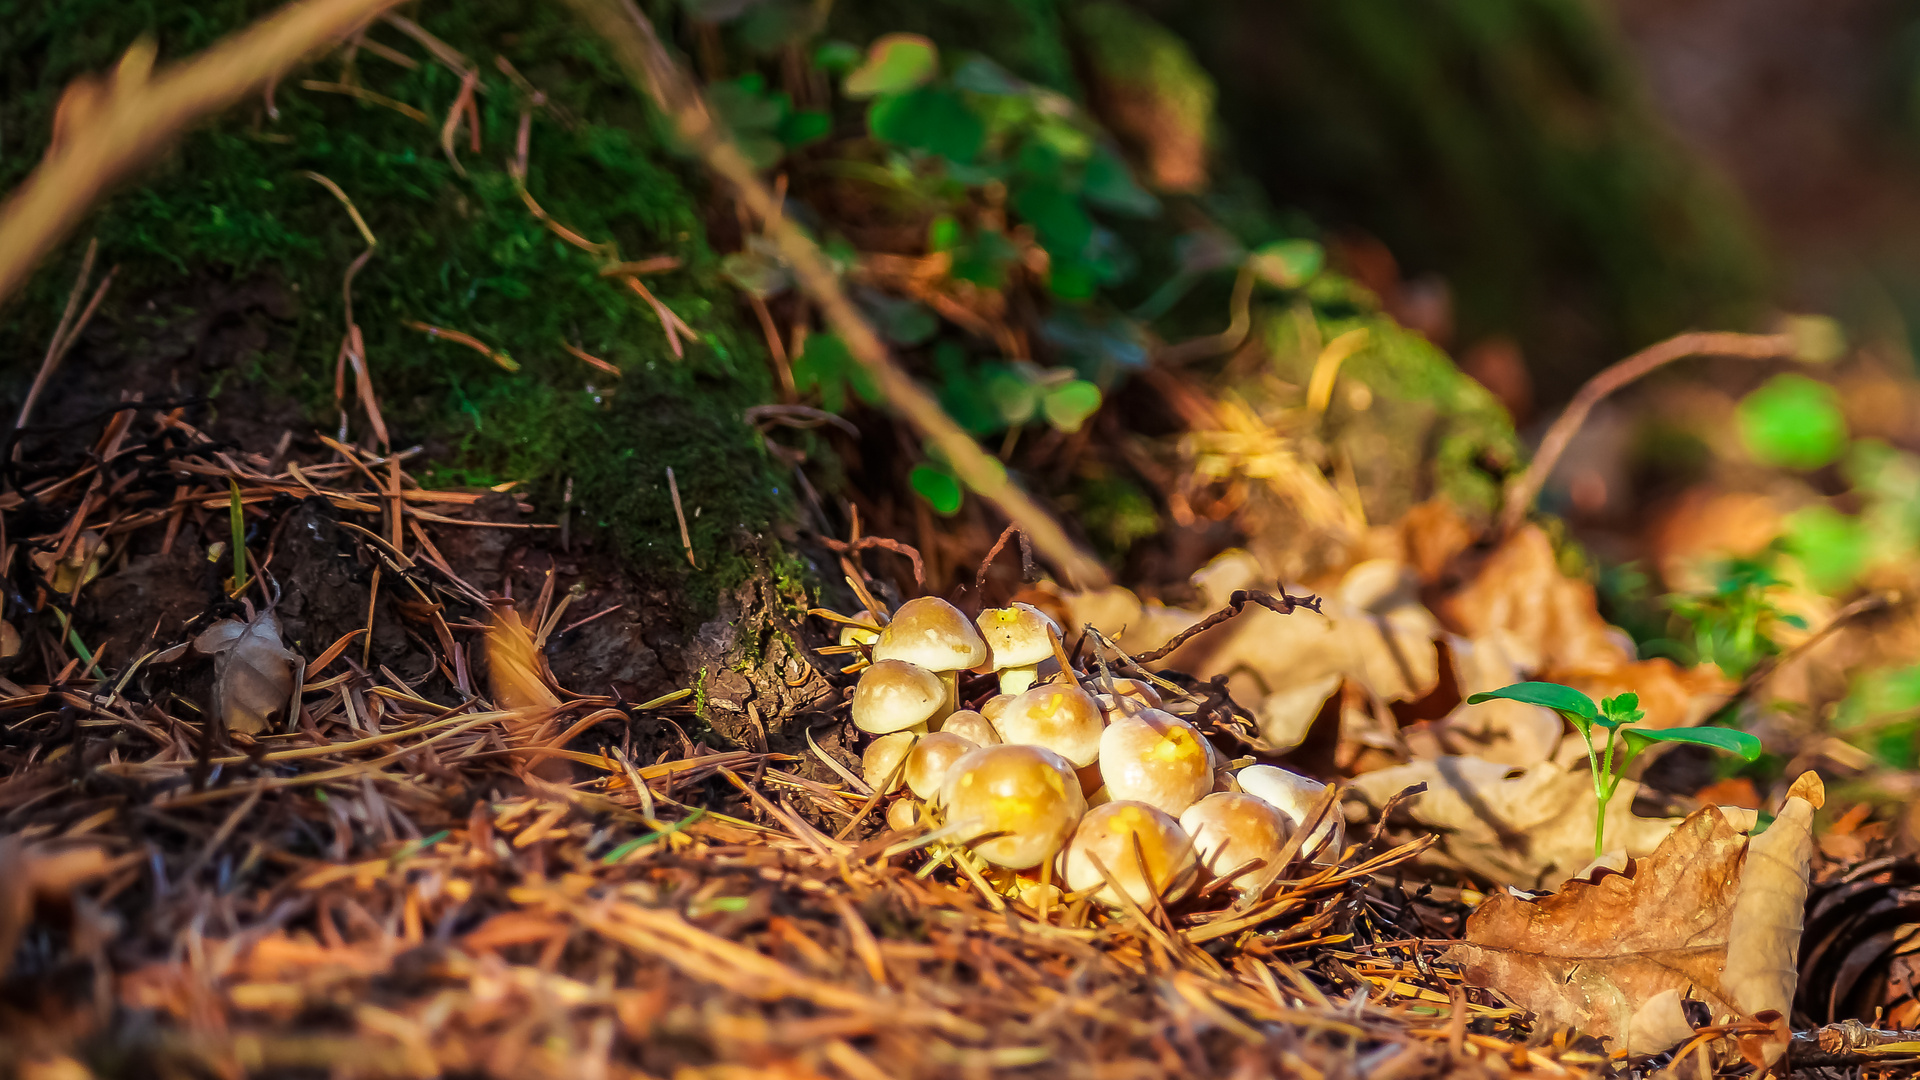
(1531, 827)
(516, 672)
(254, 676)
(1601, 956)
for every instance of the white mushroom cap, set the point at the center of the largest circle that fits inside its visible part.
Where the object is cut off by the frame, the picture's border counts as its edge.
(1155, 758)
(882, 759)
(1020, 637)
(1061, 717)
(1230, 829)
(931, 757)
(1109, 833)
(972, 726)
(932, 633)
(905, 814)
(1027, 793)
(893, 695)
(1294, 795)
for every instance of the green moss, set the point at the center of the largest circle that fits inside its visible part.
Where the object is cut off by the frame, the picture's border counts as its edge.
(1128, 49)
(233, 202)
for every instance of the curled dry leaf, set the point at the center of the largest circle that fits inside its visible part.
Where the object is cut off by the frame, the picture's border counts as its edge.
(516, 672)
(254, 676)
(80, 565)
(1709, 916)
(1531, 827)
(1546, 621)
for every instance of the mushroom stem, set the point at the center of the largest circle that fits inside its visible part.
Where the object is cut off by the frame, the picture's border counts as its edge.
(950, 680)
(1017, 680)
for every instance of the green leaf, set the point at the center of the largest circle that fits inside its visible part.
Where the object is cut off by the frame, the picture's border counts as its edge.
(1620, 709)
(1831, 546)
(1793, 421)
(1287, 264)
(943, 233)
(828, 367)
(1016, 397)
(1068, 405)
(1064, 228)
(836, 55)
(929, 119)
(894, 63)
(1564, 700)
(1071, 279)
(803, 126)
(1109, 184)
(939, 487)
(1719, 738)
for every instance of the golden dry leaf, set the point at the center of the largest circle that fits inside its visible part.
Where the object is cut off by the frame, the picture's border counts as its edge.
(1545, 620)
(80, 565)
(516, 672)
(1709, 915)
(1530, 827)
(254, 676)
(9, 641)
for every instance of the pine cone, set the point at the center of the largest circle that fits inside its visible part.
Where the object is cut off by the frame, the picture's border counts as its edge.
(1860, 957)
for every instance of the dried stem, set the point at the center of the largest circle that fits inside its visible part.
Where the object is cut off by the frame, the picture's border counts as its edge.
(1522, 492)
(647, 62)
(107, 127)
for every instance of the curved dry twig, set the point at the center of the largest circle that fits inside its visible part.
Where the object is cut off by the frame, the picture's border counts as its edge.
(1522, 492)
(1284, 604)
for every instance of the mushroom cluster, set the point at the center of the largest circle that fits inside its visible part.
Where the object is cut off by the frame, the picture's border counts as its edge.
(1110, 794)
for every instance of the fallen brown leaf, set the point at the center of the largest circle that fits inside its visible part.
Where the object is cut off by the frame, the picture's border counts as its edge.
(1546, 620)
(254, 676)
(1709, 915)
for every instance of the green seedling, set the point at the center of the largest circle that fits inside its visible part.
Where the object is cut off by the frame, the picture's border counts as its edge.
(1623, 743)
(237, 521)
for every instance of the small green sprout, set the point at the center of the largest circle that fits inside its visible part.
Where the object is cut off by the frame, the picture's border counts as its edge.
(1623, 743)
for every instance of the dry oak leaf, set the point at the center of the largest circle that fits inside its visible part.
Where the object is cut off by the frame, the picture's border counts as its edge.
(255, 677)
(1531, 827)
(1710, 916)
(1545, 620)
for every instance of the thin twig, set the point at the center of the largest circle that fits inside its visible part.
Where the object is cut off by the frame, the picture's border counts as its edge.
(108, 126)
(1284, 604)
(647, 62)
(1521, 493)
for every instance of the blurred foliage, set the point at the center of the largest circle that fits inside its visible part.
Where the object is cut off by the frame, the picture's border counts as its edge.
(1503, 144)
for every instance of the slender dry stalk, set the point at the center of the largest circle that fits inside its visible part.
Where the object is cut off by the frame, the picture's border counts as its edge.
(1522, 492)
(107, 127)
(647, 62)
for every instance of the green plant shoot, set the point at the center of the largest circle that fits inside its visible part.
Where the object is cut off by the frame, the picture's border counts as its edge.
(1623, 742)
(237, 519)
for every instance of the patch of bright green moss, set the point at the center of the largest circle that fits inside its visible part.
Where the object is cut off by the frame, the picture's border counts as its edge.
(232, 202)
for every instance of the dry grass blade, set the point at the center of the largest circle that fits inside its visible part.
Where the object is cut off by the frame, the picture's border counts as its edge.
(107, 127)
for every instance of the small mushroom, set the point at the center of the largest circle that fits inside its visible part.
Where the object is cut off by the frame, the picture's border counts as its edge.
(1294, 796)
(1231, 829)
(1062, 717)
(929, 760)
(1155, 758)
(971, 725)
(1020, 637)
(1113, 706)
(1143, 848)
(934, 634)
(882, 759)
(905, 814)
(1020, 803)
(894, 695)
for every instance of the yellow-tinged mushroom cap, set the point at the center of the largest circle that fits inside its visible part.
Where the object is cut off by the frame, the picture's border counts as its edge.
(882, 759)
(931, 758)
(1155, 758)
(1231, 829)
(1020, 637)
(932, 633)
(972, 726)
(1294, 796)
(1027, 794)
(1061, 717)
(1110, 834)
(894, 695)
